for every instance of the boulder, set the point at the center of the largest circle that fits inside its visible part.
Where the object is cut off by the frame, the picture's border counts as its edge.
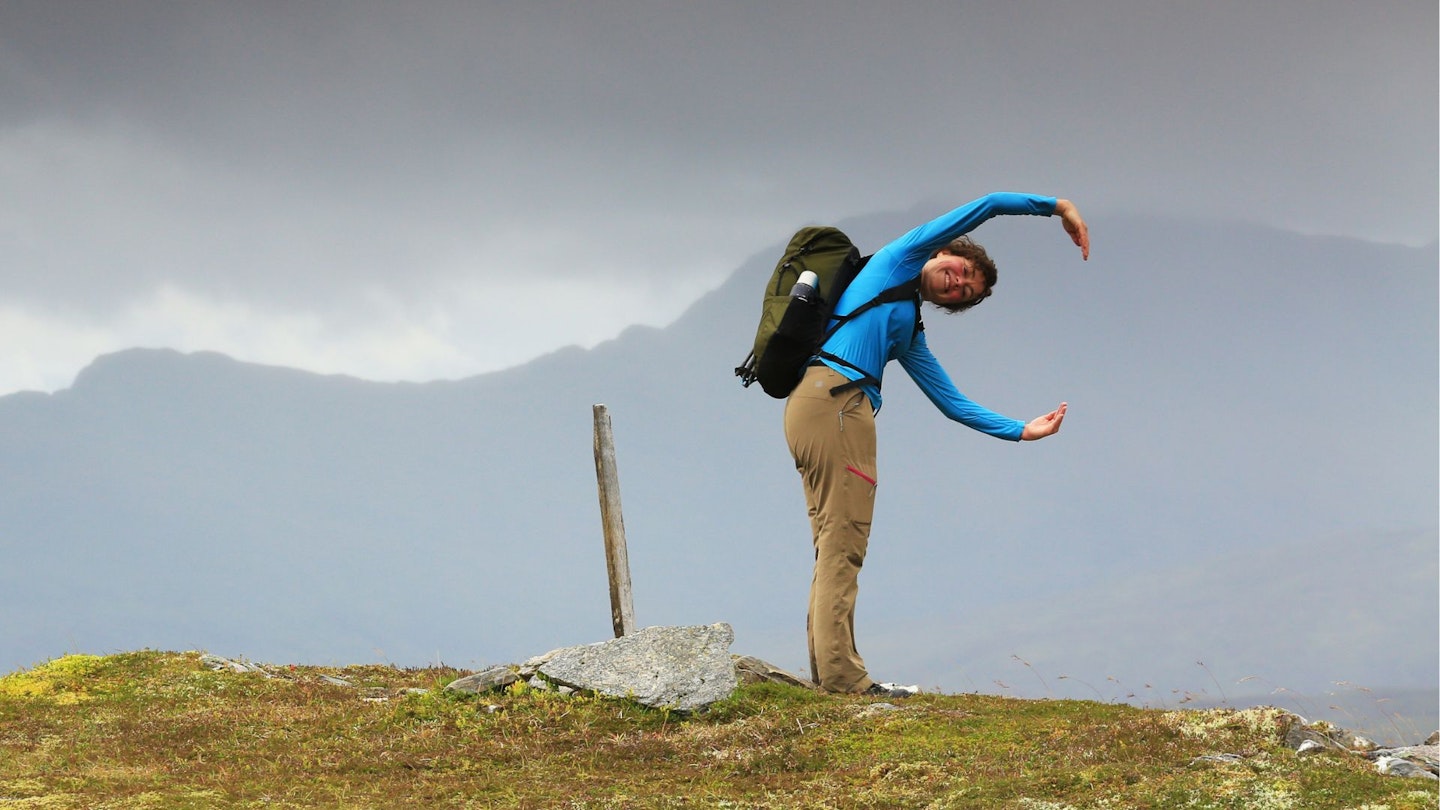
(681, 668)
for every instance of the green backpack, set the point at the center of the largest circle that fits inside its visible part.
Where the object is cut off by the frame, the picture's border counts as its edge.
(792, 329)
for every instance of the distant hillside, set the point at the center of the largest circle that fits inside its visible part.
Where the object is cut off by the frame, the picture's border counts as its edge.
(1248, 476)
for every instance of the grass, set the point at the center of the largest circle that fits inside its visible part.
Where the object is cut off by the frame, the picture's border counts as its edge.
(162, 730)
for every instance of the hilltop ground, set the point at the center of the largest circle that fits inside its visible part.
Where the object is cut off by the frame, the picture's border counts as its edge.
(159, 730)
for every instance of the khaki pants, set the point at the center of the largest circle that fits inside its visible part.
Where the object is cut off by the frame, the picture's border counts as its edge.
(833, 441)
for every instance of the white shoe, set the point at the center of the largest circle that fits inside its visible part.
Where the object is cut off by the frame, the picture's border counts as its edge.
(892, 690)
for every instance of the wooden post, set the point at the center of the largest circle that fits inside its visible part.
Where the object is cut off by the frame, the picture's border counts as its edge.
(617, 560)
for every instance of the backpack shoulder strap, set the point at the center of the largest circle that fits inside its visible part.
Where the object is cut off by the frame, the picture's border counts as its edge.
(900, 292)
(905, 290)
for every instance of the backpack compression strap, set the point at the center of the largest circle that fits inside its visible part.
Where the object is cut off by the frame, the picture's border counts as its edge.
(908, 290)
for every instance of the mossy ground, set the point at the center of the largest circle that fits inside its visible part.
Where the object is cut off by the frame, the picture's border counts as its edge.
(161, 730)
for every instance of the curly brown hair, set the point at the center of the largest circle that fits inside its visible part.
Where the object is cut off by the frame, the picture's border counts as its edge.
(966, 248)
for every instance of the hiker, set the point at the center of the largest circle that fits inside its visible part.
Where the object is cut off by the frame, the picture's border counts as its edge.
(830, 414)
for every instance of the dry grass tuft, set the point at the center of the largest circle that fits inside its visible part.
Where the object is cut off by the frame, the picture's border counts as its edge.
(162, 730)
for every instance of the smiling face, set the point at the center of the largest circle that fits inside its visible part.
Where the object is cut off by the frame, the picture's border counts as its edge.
(948, 280)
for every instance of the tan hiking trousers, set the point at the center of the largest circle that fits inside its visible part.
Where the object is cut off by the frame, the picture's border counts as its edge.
(832, 438)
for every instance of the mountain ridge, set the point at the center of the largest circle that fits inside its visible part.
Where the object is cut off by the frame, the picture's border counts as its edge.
(196, 501)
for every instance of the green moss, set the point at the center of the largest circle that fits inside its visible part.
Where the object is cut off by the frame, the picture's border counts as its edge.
(155, 729)
(64, 680)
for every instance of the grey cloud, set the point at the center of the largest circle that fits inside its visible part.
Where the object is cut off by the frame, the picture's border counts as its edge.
(304, 155)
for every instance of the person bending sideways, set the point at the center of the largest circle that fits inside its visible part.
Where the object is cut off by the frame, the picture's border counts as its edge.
(830, 416)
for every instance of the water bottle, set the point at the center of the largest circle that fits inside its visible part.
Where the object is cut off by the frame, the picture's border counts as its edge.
(804, 288)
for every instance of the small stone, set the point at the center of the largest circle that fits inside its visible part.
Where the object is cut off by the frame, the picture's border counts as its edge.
(1426, 755)
(1309, 747)
(333, 681)
(1322, 734)
(1362, 744)
(1395, 766)
(485, 681)
(217, 663)
(750, 669)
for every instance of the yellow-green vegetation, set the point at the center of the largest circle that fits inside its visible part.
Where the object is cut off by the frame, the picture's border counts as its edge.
(162, 730)
(64, 680)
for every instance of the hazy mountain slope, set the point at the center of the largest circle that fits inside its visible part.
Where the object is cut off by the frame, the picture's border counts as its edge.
(1234, 392)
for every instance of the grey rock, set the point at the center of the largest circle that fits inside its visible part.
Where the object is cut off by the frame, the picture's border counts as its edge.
(1298, 732)
(532, 665)
(1363, 745)
(681, 668)
(750, 669)
(333, 681)
(1426, 756)
(485, 680)
(1396, 766)
(218, 663)
(1422, 761)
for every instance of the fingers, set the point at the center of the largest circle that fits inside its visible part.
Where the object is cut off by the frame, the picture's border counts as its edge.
(1052, 420)
(1080, 234)
(1047, 425)
(1075, 226)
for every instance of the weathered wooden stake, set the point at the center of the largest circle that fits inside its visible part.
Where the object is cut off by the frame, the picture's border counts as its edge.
(617, 560)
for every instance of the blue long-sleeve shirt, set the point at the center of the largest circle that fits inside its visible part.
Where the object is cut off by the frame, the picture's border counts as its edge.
(887, 332)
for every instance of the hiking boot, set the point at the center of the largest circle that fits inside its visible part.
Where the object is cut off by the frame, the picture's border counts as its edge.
(891, 690)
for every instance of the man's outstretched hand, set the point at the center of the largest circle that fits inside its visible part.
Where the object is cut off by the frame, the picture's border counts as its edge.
(1074, 225)
(1047, 425)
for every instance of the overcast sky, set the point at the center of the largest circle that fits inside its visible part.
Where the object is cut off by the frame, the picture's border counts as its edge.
(432, 190)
